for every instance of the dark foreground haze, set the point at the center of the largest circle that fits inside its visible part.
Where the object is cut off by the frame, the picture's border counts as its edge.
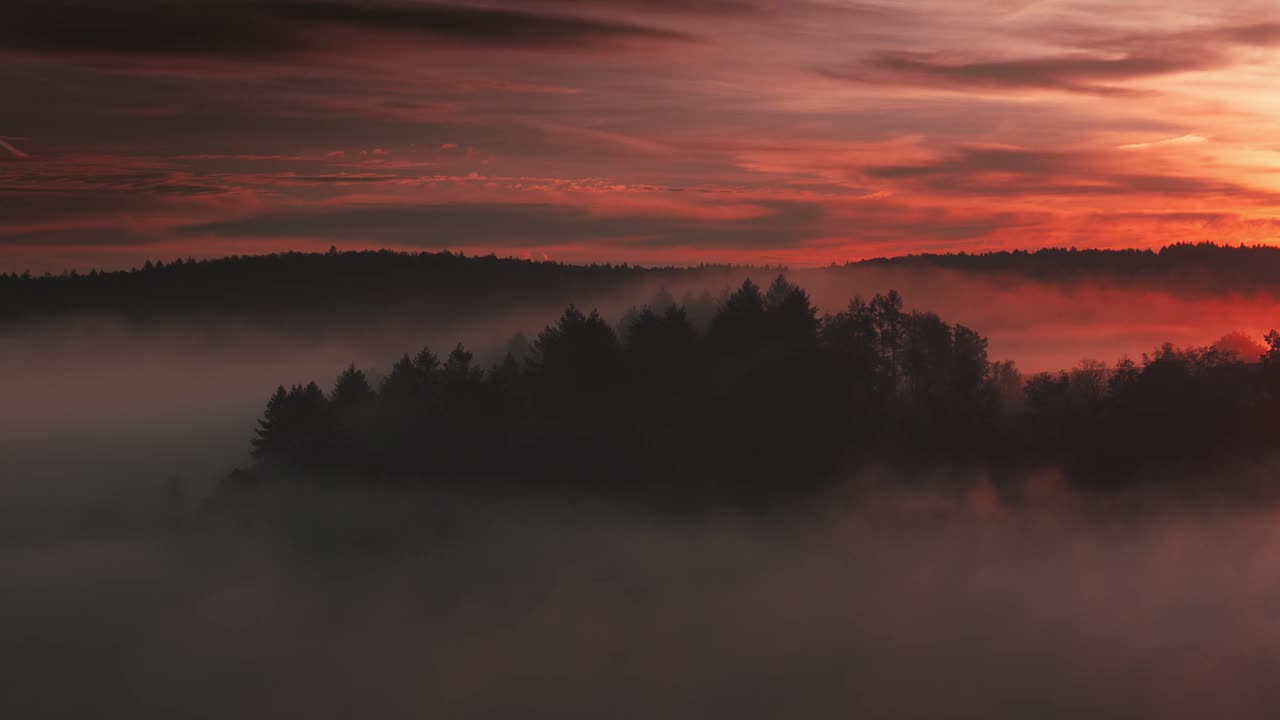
(905, 606)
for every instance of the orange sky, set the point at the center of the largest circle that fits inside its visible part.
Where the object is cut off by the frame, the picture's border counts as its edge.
(651, 131)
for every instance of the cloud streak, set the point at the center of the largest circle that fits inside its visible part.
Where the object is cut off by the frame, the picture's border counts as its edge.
(1098, 66)
(15, 152)
(513, 225)
(1028, 174)
(1071, 73)
(241, 30)
(1180, 140)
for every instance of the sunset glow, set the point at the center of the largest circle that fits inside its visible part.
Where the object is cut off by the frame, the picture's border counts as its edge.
(647, 131)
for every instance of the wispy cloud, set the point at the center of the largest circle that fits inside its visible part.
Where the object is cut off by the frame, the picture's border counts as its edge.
(1180, 140)
(1078, 58)
(16, 152)
(1071, 73)
(283, 29)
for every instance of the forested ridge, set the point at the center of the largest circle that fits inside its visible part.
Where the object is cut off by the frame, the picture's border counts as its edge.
(1192, 268)
(289, 287)
(311, 288)
(764, 398)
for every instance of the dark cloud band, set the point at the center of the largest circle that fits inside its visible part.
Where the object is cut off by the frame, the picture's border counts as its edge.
(246, 30)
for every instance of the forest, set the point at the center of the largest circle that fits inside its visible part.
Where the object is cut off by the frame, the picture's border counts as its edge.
(763, 399)
(294, 289)
(1203, 267)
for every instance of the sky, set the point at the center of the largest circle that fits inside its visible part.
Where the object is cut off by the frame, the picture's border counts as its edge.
(653, 131)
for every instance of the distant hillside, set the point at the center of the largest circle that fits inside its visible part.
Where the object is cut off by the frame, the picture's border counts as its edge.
(336, 285)
(1203, 268)
(284, 289)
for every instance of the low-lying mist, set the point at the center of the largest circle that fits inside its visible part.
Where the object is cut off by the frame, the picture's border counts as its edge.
(93, 404)
(898, 606)
(128, 588)
(1051, 326)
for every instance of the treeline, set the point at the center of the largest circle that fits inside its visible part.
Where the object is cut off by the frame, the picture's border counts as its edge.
(766, 389)
(764, 399)
(301, 290)
(1182, 267)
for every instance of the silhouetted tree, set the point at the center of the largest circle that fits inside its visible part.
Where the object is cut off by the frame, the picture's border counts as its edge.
(351, 391)
(578, 363)
(793, 319)
(353, 405)
(662, 351)
(889, 322)
(409, 410)
(970, 367)
(295, 428)
(740, 324)
(271, 438)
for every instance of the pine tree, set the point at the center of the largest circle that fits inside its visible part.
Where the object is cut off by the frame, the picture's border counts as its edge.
(269, 437)
(457, 367)
(739, 324)
(351, 391)
(792, 317)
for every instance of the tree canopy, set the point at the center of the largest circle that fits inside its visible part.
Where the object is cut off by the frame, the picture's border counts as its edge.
(772, 399)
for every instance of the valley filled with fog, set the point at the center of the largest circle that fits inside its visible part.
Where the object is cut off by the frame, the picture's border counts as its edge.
(901, 593)
(95, 402)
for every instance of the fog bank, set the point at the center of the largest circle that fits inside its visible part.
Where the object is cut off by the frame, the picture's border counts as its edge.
(93, 404)
(908, 607)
